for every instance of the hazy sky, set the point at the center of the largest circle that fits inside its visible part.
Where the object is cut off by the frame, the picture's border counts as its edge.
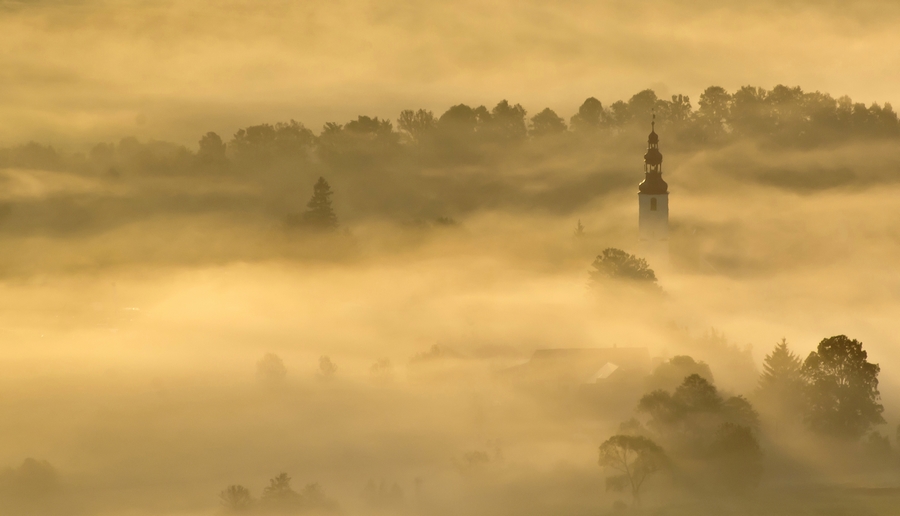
(78, 71)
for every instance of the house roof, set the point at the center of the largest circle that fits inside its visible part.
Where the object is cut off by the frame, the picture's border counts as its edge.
(583, 365)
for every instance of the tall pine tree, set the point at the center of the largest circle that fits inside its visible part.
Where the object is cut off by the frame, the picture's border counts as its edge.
(781, 383)
(781, 366)
(319, 213)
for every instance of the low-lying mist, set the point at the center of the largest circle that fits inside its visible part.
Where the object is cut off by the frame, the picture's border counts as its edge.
(170, 335)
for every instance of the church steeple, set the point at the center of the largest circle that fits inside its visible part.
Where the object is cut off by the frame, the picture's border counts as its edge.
(653, 201)
(653, 182)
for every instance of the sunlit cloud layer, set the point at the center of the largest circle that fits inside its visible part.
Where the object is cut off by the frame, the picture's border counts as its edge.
(82, 71)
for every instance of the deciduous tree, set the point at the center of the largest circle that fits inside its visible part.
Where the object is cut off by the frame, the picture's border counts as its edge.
(547, 123)
(236, 498)
(616, 264)
(634, 458)
(842, 396)
(737, 457)
(416, 124)
(590, 116)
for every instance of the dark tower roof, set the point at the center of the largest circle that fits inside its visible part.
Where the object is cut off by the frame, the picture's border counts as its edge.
(653, 183)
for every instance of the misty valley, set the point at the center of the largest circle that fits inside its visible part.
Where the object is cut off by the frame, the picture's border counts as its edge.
(461, 313)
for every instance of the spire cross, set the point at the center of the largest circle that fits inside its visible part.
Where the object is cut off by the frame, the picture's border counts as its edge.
(653, 123)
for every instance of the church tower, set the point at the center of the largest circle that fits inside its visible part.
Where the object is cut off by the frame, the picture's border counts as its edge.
(653, 201)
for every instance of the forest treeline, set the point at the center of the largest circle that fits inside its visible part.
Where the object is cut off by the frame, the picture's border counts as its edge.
(427, 166)
(783, 116)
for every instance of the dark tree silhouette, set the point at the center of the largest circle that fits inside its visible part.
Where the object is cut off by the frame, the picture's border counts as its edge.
(579, 230)
(366, 141)
(590, 117)
(715, 436)
(618, 114)
(263, 144)
(369, 126)
(270, 369)
(677, 112)
(31, 481)
(781, 383)
(33, 488)
(35, 155)
(737, 410)
(750, 113)
(416, 124)
(279, 498)
(616, 264)
(878, 447)
(212, 149)
(635, 458)
(382, 369)
(319, 213)
(462, 119)
(459, 134)
(686, 417)
(236, 498)
(842, 396)
(696, 394)
(547, 123)
(781, 369)
(327, 368)
(738, 458)
(671, 373)
(641, 106)
(713, 115)
(507, 122)
(279, 492)
(314, 499)
(383, 496)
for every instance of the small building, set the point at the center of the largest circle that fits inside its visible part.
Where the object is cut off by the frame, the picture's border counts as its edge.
(578, 367)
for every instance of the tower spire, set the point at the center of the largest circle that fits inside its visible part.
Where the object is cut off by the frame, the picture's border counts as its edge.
(653, 199)
(653, 182)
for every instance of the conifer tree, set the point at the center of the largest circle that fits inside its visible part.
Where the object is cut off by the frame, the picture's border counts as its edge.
(319, 213)
(579, 230)
(781, 383)
(781, 367)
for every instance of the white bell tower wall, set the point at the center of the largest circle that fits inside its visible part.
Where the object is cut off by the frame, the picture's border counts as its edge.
(654, 223)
